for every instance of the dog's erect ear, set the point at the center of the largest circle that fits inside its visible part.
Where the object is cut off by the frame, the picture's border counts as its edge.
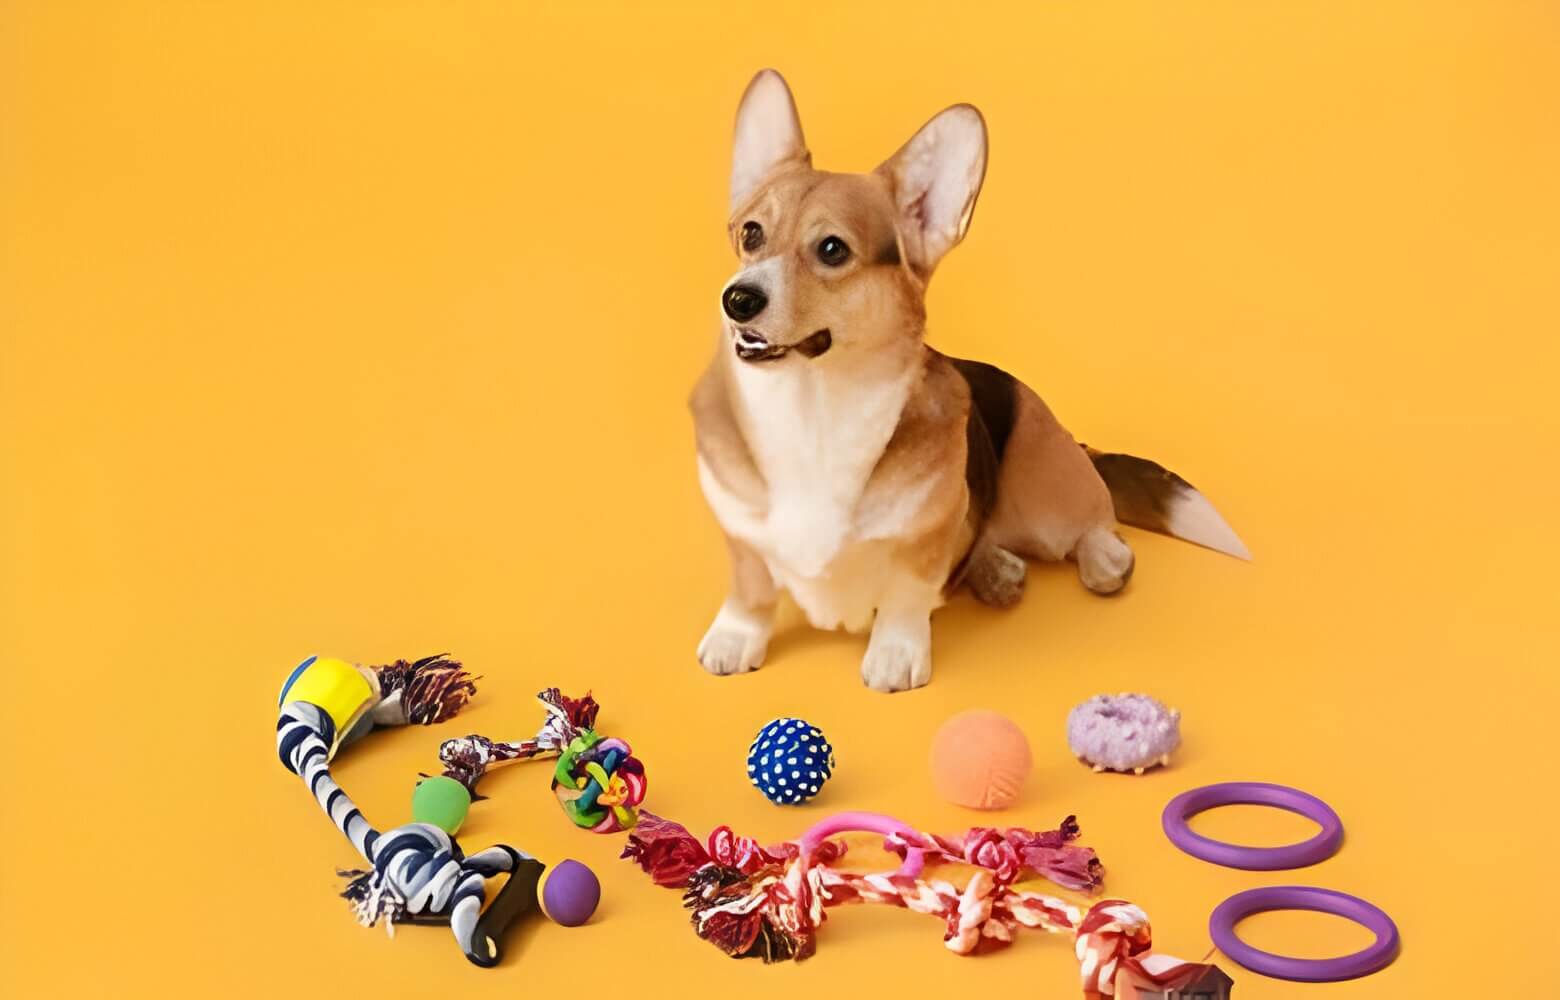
(769, 134)
(936, 177)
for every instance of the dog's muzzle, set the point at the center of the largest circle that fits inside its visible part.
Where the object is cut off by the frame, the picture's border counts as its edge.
(751, 346)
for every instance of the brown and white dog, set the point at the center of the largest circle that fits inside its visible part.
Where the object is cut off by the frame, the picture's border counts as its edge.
(852, 465)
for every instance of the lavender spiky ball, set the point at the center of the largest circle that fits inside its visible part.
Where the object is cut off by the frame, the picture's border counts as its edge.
(789, 761)
(1123, 732)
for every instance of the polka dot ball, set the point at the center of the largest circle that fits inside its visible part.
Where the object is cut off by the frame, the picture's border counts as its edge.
(789, 761)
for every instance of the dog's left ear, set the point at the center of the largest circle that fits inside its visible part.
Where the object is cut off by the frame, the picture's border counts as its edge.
(936, 178)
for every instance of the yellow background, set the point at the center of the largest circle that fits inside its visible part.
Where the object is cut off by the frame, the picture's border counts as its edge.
(366, 330)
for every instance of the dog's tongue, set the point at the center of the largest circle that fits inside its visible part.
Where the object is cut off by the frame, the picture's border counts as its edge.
(752, 347)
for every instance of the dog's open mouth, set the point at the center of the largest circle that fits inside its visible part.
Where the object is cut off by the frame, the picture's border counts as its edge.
(752, 346)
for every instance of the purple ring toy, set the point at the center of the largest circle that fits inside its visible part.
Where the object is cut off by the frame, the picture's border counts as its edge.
(1255, 793)
(1221, 926)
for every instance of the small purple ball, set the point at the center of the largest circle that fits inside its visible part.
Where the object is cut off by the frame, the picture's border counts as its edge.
(570, 893)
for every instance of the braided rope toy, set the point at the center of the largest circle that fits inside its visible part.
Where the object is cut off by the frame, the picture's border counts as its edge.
(417, 873)
(598, 781)
(752, 901)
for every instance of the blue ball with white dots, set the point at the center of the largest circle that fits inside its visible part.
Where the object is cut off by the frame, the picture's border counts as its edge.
(789, 761)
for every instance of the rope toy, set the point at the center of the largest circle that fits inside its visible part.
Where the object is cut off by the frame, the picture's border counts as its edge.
(598, 781)
(768, 903)
(417, 873)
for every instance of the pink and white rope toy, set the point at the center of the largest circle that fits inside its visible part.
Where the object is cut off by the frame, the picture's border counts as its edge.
(753, 901)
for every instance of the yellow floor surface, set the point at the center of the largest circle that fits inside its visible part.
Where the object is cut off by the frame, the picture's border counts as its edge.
(365, 329)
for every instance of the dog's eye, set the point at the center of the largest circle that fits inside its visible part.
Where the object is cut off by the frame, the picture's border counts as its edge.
(833, 251)
(752, 236)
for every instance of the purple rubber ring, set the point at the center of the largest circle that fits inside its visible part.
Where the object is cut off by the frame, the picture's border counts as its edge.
(1253, 793)
(1221, 926)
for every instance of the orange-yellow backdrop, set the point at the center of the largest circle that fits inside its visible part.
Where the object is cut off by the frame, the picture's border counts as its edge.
(366, 329)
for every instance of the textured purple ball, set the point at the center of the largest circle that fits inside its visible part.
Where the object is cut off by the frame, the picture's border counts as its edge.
(570, 893)
(1123, 732)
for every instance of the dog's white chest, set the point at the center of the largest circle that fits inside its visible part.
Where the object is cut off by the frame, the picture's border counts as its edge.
(816, 436)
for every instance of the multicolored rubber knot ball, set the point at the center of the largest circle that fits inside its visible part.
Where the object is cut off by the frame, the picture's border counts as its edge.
(789, 761)
(599, 783)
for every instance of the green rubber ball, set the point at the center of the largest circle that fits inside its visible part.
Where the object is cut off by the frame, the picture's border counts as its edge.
(441, 801)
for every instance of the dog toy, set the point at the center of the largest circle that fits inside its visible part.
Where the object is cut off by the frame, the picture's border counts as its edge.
(570, 892)
(980, 760)
(769, 902)
(1221, 926)
(417, 873)
(598, 781)
(442, 801)
(1255, 793)
(1373, 958)
(789, 761)
(1124, 732)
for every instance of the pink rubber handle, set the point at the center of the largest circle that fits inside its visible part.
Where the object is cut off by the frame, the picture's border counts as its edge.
(865, 822)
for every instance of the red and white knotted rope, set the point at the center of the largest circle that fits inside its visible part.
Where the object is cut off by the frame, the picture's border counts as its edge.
(770, 902)
(984, 910)
(1112, 936)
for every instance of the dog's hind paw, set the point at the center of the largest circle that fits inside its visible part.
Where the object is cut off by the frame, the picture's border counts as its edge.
(1104, 561)
(996, 576)
(734, 644)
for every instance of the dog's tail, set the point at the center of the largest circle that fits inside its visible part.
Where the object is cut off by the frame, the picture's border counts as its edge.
(1148, 495)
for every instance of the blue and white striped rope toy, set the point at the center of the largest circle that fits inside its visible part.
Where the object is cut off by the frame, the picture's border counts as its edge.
(418, 873)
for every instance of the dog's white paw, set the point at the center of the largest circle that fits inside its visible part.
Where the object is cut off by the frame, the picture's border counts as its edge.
(897, 659)
(734, 644)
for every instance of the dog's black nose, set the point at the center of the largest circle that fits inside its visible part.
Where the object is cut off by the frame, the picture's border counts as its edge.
(743, 302)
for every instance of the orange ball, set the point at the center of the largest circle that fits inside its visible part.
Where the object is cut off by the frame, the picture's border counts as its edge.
(980, 760)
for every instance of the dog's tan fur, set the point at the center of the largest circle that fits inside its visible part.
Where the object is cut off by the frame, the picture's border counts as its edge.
(846, 477)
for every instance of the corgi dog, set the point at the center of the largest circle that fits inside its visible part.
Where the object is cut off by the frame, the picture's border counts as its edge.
(852, 465)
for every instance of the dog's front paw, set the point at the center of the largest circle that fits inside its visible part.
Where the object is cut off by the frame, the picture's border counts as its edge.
(896, 660)
(734, 644)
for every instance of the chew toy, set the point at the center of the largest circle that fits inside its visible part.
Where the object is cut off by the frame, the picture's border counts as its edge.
(1124, 732)
(1373, 958)
(1256, 793)
(417, 873)
(1221, 926)
(769, 902)
(598, 781)
(570, 892)
(752, 901)
(442, 801)
(980, 760)
(789, 761)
